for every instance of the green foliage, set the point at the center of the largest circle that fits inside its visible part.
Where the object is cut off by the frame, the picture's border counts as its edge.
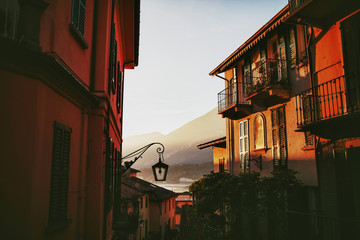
(223, 201)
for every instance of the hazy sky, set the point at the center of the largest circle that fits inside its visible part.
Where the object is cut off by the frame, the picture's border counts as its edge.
(181, 41)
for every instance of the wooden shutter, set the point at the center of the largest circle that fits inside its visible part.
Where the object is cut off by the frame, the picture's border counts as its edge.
(75, 12)
(275, 139)
(59, 173)
(282, 55)
(78, 15)
(113, 60)
(82, 16)
(292, 46)
(278, 123)
(118, 88)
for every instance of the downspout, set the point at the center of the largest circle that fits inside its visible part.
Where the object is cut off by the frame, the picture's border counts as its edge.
(107, 131)
(92, 88)
(228, 134)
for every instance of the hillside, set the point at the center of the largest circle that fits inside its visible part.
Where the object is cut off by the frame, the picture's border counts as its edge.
(180, 145)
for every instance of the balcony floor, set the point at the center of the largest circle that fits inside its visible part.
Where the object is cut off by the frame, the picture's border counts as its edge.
(270, 96)
(236, 111)
(344, 126)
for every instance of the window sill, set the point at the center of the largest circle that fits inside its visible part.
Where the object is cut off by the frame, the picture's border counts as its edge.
(308, 148)
(56, 226)
(78, 36)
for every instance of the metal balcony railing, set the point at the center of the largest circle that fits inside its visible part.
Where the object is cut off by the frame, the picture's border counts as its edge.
(230, 96)
(327, 100)
(267, 73)
(9, 17)
(294, 4)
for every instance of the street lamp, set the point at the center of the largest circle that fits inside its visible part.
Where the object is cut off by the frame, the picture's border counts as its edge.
(160, 169)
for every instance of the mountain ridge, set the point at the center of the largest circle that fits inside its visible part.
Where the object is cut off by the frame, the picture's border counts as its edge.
(180, 144)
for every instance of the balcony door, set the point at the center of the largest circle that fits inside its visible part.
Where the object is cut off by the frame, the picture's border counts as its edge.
(350, 33)
(233, 87)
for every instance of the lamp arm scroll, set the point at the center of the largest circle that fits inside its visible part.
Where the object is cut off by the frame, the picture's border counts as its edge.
(138, 154)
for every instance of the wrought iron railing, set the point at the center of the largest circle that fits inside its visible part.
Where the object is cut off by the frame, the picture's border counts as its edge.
(327, 100)
(294, 4)
(269, 72)
(230, 96)
(9, 17)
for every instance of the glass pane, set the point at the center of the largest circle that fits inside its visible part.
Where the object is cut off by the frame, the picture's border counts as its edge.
(246, 144)
(246, 128)
(241, 129)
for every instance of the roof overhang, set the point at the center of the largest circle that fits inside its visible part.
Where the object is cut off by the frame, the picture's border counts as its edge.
(219, 142)
(273, 23)
(129, 28)
(321, 13)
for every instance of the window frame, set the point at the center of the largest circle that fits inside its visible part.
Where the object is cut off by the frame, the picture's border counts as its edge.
(244, 155)
(262, 116)
(278, 123)
(58, 208)
(75, 28)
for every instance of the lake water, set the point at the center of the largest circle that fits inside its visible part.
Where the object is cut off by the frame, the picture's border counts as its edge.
(175, 187)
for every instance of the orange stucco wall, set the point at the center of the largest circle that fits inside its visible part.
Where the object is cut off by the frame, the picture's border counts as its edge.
(28, 128)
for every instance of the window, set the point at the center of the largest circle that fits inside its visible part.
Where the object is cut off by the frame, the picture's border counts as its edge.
(282, 56)
(259, 131)
(165, 207)
(309, 138)
(160, 209)
(221, 164)
(59, 174)
(146, 202)
(278, 122)
(141, 203)
(113, 60)
(9, 18)
(244, 145)
(292, 46)
(78, 15)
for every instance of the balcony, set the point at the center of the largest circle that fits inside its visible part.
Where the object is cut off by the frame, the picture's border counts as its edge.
(267, 84)
(331, 109)
(230, 105)
(320, 13)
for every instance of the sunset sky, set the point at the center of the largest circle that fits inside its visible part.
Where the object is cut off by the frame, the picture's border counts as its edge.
(180, 43)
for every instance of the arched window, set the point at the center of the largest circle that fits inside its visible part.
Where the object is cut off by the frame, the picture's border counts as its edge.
(259, 131)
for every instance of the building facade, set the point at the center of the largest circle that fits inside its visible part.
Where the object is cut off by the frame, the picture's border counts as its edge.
(291, 102)
(329, 109)
(62, 68)
(156, 209)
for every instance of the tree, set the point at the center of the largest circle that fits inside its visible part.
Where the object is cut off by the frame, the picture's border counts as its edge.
(229, 206)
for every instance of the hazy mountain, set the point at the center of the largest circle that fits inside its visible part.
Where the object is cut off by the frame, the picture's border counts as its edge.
(180, 145)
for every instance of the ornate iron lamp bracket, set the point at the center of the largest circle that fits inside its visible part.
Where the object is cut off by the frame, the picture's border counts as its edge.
(138, 154)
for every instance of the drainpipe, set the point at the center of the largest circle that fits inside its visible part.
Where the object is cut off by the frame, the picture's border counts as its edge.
(107, 131)
(229, 134)
(227, 80)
